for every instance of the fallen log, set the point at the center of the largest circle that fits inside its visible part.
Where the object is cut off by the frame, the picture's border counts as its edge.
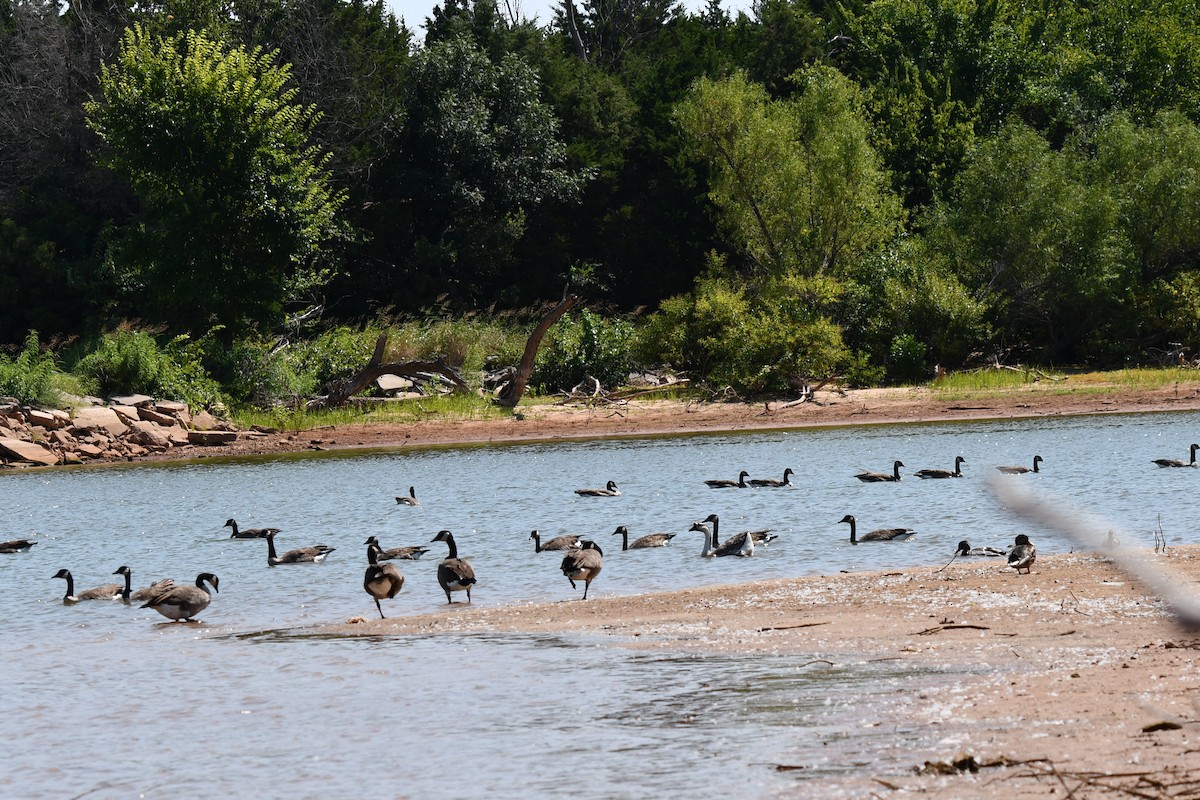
(341, 391)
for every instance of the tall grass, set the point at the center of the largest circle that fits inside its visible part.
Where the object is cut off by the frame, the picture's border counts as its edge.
(455, 407)
(1004, 380)
(31, 376)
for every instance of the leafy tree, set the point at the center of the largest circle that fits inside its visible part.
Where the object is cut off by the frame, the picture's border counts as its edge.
(236, 207)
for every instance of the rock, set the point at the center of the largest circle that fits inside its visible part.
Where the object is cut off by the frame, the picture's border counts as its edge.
(62, 438)
(203, 421)
(28, 451)
(99, 418)
(134, 400)
(134, 450)
(46, 419)
(71, 458)
(151, 415)
(89, 450)
(128, 414)
(172, 407)
(178, 436)
(212, 437)
(150, 435)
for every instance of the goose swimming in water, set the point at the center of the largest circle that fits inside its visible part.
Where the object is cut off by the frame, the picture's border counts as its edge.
(1022, 555)
(649, 540)
(880, 535)
(410, 500)
(454, 574)
(1162, 462)
(881, 477)
(301, 555)
(726, 483)
(736, 547)
(943, 473)
(248, 533)
(1021, 470)
(584, 565)
(381, 580)
(109, 591)
(16, 546)
(568, 541)
(775, 482)
(411, 553)
(609, 490)
(762, 536)
(141, 595)
(183, 603)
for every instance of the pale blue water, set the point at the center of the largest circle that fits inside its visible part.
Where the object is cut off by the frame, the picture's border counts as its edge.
(104, 700)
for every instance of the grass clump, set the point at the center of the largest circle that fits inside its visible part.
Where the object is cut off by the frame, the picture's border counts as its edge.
(31, 376)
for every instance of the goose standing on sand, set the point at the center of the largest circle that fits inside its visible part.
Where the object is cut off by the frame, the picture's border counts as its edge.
(301, 555)
(609, 490)
(1021, 470)
(736, 547)
(649, 540)
(775, 482)
(109, 591)
(248, 533)
(567, 541)
(16, 546)
(184, 602)
(880, 535)
(141, 595)
(965, 549)
(1022, 555)
(583, 564)
(1162, 462)
(762, 536)
(943, 473)
(867, 476)
(454, 574)
(726, 483)
(381, 581)
(410, 500)
(411, 553)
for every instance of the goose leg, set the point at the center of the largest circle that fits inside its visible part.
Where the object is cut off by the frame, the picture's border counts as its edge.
(381, 616)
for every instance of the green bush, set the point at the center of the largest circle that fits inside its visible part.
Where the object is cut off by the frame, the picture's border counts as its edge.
(30, 376)
(584, 344)
(132, 362)
(907, 359)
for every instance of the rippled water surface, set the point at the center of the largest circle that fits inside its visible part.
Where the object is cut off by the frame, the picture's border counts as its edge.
(103, 699)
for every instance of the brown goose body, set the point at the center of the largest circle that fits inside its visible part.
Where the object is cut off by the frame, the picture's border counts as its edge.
(410, 500)
(16, 546)
(109, 591)
(881, 477)
(762, 536)
(642, 542)
(381, 581)
(726, 483)
(1021, 470)
(410, 553)
(609, 490)
(1162, 462)
(944, 473)
(567, 541)
(776, 483)
(183, 603)
(879, 535)
(141, 595)
(248, 533)
(737, 547)
(454, 574)
(1022, 555)
(301, 555)
(584, 565)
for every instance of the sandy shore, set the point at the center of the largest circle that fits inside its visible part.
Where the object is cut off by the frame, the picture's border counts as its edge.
(1048, 681)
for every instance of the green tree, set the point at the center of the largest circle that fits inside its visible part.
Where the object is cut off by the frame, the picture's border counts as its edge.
(236, 209)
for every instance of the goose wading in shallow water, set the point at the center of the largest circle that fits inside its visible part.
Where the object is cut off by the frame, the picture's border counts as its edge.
(1021, 470)
(454, 574)
(1022, 555)
(786, 480)
(583, 564)
(381, 580)
(109, 591)
(16, 546)
(649, 540)
(567, 541)
(943, 473)
(609, 490)
(301, 555)
(141, 595)
(738, 547)
(965, 549)
(248, 533)
(1162, 462)
(411, 553)
(183, 603)
(726, 483)
(881, 477)
(879, 535)
(410, 500)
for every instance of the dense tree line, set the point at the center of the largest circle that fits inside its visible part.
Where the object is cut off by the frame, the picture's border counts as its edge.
(805, 189)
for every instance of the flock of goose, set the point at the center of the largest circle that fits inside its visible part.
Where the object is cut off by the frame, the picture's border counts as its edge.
(583, 559)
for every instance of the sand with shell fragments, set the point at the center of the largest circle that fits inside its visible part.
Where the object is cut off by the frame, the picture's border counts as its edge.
(1056, 684)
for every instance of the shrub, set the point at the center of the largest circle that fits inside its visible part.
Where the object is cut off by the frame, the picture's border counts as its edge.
(907, 358)
(584, 344)
(131, 362)
(30, 376)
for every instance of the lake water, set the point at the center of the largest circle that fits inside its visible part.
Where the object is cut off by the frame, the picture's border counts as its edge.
(103, 700)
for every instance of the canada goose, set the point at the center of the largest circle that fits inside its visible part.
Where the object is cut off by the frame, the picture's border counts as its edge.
(249, 533)
(762, 536)
(411, 553)
(566, 542)
(1162, 462)
(184, 602)
(411, 500)
(735, 547)
(609, 490)
(726, 483)
(381, 581)
(775, 482)
(943, 473)
(965, 549)
(109, 591)
(881, 535)
(301, 555)
(881, 477)
(1021, 470)
(1022, 555)
(649, 540)
(583, 564)
(141, 595)
(16, 546)
(454, 574)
